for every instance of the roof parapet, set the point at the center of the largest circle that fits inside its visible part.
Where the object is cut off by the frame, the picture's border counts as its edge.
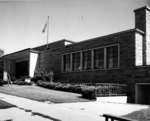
(142, 8)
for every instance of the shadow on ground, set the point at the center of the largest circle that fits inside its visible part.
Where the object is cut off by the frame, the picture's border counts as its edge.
(140, 115)
(5, 105)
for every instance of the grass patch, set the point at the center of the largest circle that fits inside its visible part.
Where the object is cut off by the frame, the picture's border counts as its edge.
(42, 94)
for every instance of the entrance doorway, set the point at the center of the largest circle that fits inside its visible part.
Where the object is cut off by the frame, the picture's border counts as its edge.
(22, 69)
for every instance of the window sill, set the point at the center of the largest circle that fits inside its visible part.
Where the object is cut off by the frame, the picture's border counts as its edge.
(142, 66)
(93, 70)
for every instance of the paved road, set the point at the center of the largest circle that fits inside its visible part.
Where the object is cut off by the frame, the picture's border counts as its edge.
(82, 111)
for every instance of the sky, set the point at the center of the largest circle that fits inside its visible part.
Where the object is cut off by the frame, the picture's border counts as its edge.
(22, 21)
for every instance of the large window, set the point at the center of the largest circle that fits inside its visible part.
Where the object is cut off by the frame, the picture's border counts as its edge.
(99, 58)
(66, 63)
(87, 60)
(76, 61)
(112, 57)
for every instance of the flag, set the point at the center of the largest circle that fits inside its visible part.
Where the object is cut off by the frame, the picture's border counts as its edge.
(46, 25)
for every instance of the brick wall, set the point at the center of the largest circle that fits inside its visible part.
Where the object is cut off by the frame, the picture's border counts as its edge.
(127, 59)
(50, 58)
(141, 74)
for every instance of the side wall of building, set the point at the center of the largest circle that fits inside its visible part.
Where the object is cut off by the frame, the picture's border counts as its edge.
(141, 74)
(50, 59)
(49, 62)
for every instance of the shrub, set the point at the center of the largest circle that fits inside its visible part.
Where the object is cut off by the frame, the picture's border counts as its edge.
(21, 83)
(35, 79)
(43, 83)
(60, 86)
(75, 88)
(52, 85)
(89, 92)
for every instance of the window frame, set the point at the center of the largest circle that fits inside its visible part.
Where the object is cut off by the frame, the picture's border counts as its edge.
(64, 64)
(118, 64)
(79, 61)
(92, 58)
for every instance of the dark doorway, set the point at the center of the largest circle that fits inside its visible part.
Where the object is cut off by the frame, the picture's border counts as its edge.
(142, 94)
(22, 69)
(1, 69)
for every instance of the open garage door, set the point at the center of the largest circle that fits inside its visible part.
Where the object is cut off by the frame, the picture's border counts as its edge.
(142, 95)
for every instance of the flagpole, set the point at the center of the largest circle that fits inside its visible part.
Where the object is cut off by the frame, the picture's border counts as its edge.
(47, 32)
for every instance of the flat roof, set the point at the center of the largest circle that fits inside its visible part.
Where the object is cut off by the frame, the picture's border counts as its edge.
(52, 43)
(24, 51)
(19, 54)
(109, 36)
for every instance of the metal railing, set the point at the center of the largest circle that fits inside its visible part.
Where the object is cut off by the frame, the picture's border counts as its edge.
(108, 89)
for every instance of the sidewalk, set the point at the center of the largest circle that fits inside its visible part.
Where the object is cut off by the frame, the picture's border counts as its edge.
(50, 111)
(82, 111)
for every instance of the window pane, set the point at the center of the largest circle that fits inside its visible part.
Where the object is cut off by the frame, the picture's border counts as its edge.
(99, 58)
(112, 57)
(87, 60)
(76, 61)
(66, 63)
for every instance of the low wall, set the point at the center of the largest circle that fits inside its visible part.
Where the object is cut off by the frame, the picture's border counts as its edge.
(115, 99)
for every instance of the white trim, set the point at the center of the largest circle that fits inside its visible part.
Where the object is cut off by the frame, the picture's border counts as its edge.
(118, 55)
(71, 66)
(81, 60)
(92, 59)
(62, 63)
(105, 58)
(29, 64)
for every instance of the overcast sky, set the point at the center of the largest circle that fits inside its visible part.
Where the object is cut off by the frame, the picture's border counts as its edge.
(22, 21)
